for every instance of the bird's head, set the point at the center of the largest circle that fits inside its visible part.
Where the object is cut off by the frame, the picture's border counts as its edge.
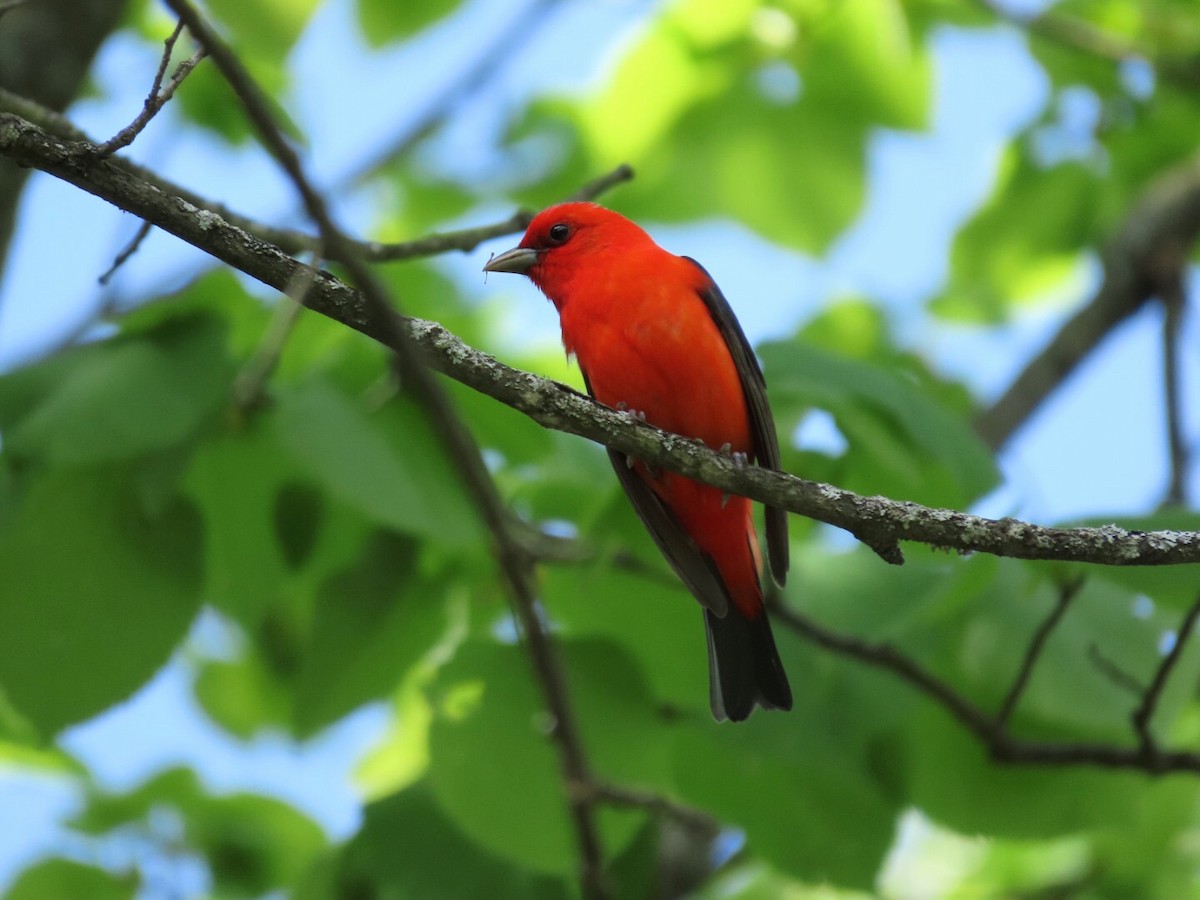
(569, 241)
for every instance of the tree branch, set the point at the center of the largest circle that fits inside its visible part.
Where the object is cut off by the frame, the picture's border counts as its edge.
(1004, 747)
(1079, 34)
(877, 521)
(1144, 713)
(1145, 256)
(456, 439)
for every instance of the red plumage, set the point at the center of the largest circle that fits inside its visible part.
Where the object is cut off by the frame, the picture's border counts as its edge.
(653, 334)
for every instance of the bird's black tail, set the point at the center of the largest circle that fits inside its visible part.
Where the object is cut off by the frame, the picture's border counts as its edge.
(743, 666)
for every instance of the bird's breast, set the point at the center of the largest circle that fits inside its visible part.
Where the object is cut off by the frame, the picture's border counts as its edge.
(658, 352)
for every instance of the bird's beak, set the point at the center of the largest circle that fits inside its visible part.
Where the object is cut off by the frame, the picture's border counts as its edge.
(518, 260)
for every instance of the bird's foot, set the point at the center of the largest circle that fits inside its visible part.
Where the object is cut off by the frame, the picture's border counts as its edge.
(739, 459)
(638, 416)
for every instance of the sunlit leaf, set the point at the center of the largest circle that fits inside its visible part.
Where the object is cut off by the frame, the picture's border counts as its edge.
(70, 880)
(434, 860)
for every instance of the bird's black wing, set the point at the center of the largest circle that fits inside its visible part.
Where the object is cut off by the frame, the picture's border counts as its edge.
(694, 567)
(764, 440)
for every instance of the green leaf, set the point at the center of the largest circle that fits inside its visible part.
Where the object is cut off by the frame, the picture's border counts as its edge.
(384, 21)
(388, 466)
(1069, 695)
(236, 479)
(489, 757)
(371, 624)
(245, 697)
(806, 804)
(271, 27)
(713, 139)
(434, 860)
(860, 54)
(951, 778)
(903, 442)
(253, 844)
(490, 753)
(119, 399)
(64, 879)
(1026, 241)
(97, 593)
(650, 614)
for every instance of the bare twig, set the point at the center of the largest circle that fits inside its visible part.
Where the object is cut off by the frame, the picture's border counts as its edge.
(126, 253)
(454, 436)
(1066, 593)
(157, 98)
(657, 804)
(1113, 672)
(249, 387)
(1144, 712)
(468, 239)
(878, 521)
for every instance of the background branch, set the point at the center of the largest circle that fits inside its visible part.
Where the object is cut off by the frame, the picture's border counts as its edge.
(46, 50)
(456, 440)
(1066, 594)
(1144, 713)
(1144, 257)
(1147, 756)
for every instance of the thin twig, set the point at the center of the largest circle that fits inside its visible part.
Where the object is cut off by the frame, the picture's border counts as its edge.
(657, 804)
(249, 387)
(1144, 712)
(1113, 672)
(290, 240)
(158, 96)
(467, 239)
(456, 439)
(1066, 593)
(126, 253)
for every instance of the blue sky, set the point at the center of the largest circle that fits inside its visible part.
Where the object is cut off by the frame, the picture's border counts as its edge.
(1096, 448)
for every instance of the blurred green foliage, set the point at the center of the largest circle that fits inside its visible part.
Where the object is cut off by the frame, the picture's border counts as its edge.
(322, 524)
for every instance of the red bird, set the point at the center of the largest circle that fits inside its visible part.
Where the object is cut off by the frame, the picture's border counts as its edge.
(653, 335)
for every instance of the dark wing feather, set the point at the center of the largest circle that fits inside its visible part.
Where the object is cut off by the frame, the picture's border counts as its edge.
(762, 424)
(694, 567)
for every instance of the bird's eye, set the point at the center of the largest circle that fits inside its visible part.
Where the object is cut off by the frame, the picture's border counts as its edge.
(559, 233)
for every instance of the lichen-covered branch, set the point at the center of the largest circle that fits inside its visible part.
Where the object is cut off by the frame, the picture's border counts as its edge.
(879, 522)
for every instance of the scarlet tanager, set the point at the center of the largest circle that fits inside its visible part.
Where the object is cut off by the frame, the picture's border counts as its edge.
(653, 335)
